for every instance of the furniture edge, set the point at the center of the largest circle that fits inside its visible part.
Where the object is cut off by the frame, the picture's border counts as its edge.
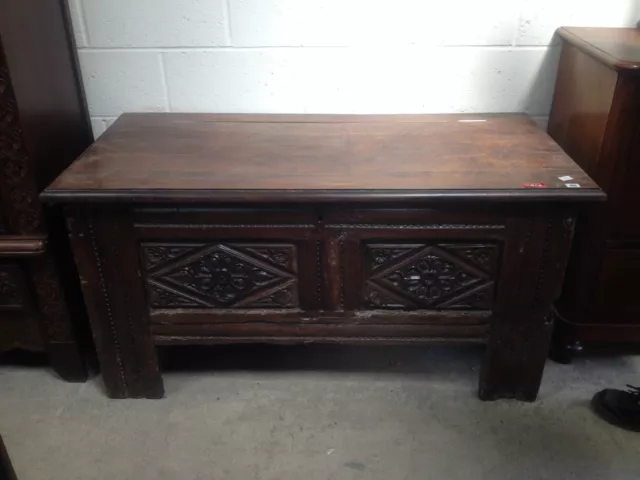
(590, 49)
(154, 196)
(22, 246)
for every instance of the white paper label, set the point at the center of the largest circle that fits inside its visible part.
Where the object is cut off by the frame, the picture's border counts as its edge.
(566, 178)
(572, 185)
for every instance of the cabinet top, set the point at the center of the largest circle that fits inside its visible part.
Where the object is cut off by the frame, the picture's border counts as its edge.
(617, 47)
(172, 157)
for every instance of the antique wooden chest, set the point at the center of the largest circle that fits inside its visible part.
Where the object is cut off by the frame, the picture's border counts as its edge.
(206, 229)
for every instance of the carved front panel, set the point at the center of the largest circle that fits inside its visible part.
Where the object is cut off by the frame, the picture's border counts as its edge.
(430, 276)
(13, 291)
(229, 275)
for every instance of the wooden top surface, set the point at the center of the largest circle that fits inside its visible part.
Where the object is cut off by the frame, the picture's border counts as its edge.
(617, 47)
(197, 157)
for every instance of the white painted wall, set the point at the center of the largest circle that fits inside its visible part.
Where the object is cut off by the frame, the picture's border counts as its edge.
(338, 56)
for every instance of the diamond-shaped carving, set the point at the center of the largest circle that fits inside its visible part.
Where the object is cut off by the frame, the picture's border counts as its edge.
(431, 276)
(281, 255)
(381, 254)
(160, 255)
(483, 256)
(224, 275)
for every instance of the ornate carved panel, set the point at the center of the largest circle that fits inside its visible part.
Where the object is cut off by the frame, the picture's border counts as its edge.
(13, 291)
(433, 276)
(230, 275)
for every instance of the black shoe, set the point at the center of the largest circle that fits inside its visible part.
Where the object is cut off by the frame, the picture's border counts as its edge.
(618, 407)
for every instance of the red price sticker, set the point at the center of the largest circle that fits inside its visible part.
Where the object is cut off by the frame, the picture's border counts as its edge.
(535, 185)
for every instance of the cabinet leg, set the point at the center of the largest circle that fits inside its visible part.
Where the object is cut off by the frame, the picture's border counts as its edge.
(520, 335)
(515, 361)
(65, 356)
(106, 255)
(126, 380)
(67, 361)
(564, 352)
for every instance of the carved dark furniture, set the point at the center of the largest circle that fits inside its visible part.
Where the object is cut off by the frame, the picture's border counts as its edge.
(205, 229)
(596, 119)
(43, 128)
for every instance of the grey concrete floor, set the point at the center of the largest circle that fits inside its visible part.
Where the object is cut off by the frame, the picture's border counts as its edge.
(319, 412)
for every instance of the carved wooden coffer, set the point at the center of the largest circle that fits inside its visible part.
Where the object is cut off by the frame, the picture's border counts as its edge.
(237, 275)
(206, 229)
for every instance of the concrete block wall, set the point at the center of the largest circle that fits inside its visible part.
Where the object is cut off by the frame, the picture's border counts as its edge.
(326, 56)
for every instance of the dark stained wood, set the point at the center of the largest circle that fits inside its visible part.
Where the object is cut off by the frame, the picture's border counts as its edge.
(370, 317)
(310, 330)
(181, 157)
(313, 248)
(596, 118)
(109, 274)
(166, 340)
(618, 48)
(20, 246)
(39, 46)
(44, 126)
(582, 99)
(523, 322)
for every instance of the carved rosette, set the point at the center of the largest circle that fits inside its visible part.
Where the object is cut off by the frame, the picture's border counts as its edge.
(221, 275)
(439, 276)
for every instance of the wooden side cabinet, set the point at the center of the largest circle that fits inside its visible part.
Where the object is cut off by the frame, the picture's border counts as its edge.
(596, 119)
(44, 126)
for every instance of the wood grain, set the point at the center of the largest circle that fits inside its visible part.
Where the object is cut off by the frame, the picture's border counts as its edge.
(595, 118)
(207, 229)
(618, 48)
(169, 157)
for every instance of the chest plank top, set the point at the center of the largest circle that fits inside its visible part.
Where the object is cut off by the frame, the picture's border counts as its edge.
(208, 229)
(306, 158)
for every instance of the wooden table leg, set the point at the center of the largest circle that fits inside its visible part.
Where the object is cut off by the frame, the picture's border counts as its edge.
(515, 359)
(520, 334)
(63, 348)
(105, 252)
